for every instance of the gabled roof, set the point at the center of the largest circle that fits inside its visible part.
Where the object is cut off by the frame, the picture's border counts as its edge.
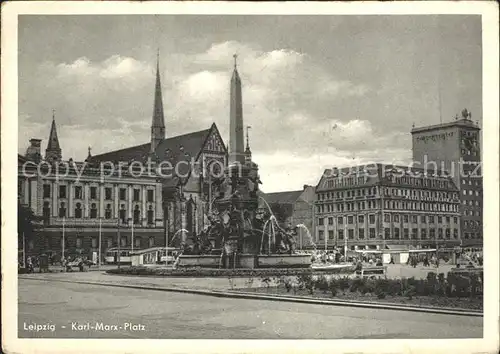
(288, 197)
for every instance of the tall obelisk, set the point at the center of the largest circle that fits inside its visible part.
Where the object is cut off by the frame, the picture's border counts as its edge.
(236, 134)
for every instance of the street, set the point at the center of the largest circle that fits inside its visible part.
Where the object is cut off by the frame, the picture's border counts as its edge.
(89, 311)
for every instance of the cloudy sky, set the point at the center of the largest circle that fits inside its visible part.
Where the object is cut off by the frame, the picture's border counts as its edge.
(319, 91)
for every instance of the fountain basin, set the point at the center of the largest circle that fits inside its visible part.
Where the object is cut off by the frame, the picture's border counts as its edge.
(284, 261)
(205, 261)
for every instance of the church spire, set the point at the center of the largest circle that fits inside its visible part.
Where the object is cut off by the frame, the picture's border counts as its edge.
(158, 122)
(248, 152)
(53, 151)
(236, 147)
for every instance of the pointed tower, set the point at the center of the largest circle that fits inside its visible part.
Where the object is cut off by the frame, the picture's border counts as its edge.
(53, 151)
(248, 152)
(158, 123)
(236, 143)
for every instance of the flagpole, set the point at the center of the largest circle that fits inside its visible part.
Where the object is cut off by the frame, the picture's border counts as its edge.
(100, 232)
(24, 251)
(345, 238)
(132, 235)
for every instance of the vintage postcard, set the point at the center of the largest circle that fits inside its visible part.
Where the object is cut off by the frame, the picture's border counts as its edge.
(250, 177)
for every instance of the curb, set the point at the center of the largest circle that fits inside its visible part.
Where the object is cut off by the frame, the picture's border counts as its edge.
(282, 298)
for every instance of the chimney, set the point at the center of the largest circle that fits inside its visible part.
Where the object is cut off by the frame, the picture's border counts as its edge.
(33, 152)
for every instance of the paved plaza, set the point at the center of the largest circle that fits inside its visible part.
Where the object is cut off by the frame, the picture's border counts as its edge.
(82, 308)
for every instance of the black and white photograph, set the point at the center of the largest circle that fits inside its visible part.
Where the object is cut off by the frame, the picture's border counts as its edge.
(227, 172)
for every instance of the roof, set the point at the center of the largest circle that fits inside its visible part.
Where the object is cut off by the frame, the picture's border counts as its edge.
(288, 197)
(466, 123)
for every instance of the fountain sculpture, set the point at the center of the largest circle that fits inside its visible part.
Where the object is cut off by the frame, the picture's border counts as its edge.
(249, 236)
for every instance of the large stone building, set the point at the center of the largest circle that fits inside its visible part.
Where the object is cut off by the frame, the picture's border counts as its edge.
(455, 147)
(376, 206)
(163, 187)
(293, 208)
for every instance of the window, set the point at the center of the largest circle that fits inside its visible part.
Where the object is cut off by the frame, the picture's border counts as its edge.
(414, 233)
(93, 211)
(406, 234)
(321, 235)
(150, 195)
(62, 191)
(78, 211)
(361, 219)
(93, 192)
(396, 218)
(432, 233)
(46, 190)
(110, 242)
(151, 241)
(94, 242)
(372, 232)
(123, 241)
(46, 213)
(422, 218)
(387, 233)
(78, 242)
(423, 234)
(78, 192)
(123, 194)
(351, 234)
(137, 215)
(330, 234)
(150, 215)
(405, 218)
(62, 210)
(440, 219)
(107, 211)
(464, 192)
(320, 221)
(340, 220)
(361, 233)
(447, 219)
(440, 234)
(448, 234)
(107, 193)
(341, 234)
(455, 234)
(371, 218)
(431, 219)
(350, 219)
(414, 217)
(387, 218)
(122, 213)
(137, 242)
(330, 221)
(136, 194)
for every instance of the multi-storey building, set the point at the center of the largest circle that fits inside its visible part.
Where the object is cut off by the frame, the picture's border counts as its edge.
(79, 202)
(374, 206)
(455, 147)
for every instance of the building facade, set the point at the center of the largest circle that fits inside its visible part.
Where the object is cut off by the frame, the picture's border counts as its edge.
(293, 208)
(375, 206)
(455, 147)
(80, 205)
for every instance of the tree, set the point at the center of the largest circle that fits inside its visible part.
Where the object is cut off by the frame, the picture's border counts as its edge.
(27, 225)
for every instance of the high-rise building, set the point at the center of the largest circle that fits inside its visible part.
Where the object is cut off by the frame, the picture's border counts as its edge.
(455, 147)
(378, 206)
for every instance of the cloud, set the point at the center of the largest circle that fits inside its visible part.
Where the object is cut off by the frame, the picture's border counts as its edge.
(291, 102)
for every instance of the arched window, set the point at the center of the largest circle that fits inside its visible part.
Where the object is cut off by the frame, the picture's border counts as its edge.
(46, 213)
(62, 210)
(78, 211)
(93, 211)
(107, 212)
(150, 215)
(190, 217)
(137, 215)
(122, 213)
